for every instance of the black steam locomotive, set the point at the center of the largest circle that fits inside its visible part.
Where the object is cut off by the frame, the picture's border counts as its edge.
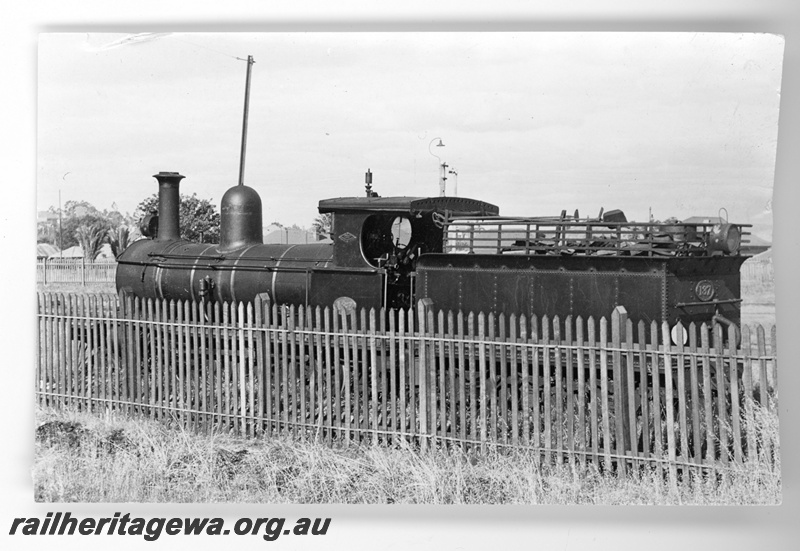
(457, 252)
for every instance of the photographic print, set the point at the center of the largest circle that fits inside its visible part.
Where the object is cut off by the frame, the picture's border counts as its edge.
(414, 268)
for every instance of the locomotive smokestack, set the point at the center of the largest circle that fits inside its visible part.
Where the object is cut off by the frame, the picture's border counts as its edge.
(168, 203)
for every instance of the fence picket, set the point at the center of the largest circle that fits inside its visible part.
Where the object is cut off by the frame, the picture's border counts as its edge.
(345, 375)
(272, 383)
(641, 344)
(250, 387)
(658, 441)
(501, 421)
(172, 385)
(682, 406)
(69, 372)
(472, 370)
(131, 365)
(384, 374)
(285, 406)
(423, 379)
(695, 386)
(559, 390)
(620, 387)
(439, 369)
(202, 386)
(140, 372)
(299, 373)
(373, 371)
(669, 403)
(581, 402)
(219, 339)
(773, 339)
(87, 345)
(546, 390)
(631, 393)
(453, 388)
(719, 372)
(482, 379)
(355, 375)
(604, 397)
(359, 326)
(526, 392)
(762, 378)
(180, 367)
(708, 404)
(152, 353)
(162, 315)
(569, 377)
(747, 380)
(514, 385)
(403, 384)
(537, 356)
(63, 356)
(735, 404)
(310, 416)
(763, 382)
(413, 379)
(491, 379)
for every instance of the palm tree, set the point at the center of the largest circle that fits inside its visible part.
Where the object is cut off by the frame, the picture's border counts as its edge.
(91, 239)
(323, 225)
(119, 238)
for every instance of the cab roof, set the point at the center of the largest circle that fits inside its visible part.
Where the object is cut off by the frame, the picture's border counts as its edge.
(410, 205)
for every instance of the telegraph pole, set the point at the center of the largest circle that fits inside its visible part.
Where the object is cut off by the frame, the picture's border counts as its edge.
(250, 62)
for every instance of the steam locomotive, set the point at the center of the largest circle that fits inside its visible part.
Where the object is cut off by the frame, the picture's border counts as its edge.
(458, 252)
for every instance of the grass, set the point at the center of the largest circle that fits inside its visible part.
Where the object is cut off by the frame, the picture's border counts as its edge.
(81, 457)
(92, 288)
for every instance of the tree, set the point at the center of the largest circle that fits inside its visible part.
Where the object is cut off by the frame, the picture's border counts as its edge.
(323, 225)
(198, 218)
(120, 238)
(78, 209)
(76, 214)
(91, 239)
(47, 232)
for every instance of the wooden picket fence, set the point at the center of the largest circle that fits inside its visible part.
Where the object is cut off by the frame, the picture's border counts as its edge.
(755, 272)
(611, 392)
(75, 270)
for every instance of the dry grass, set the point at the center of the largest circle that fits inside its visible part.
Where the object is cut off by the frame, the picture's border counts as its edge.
(90, 288)
(87, 458)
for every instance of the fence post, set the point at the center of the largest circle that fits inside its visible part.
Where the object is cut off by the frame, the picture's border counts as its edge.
(44, 271)
(425, 305)
(619, 320)
(83, 271)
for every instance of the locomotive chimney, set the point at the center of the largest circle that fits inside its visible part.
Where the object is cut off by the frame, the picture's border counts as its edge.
(168, 203)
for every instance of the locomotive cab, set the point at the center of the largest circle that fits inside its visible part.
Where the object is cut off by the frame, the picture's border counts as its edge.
(390, 234)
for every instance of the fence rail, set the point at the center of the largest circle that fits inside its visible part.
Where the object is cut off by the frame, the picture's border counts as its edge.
(74, 270)
(604, 391)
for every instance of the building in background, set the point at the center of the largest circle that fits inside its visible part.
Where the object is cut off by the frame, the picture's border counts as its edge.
(275, 234)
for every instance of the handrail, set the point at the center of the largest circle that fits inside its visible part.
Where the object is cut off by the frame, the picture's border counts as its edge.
(553, 235)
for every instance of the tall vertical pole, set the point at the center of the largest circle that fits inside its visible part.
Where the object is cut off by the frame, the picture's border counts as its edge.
(250, 62)
(60, 231)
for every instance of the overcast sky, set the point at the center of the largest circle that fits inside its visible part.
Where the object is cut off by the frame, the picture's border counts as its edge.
(682, 123)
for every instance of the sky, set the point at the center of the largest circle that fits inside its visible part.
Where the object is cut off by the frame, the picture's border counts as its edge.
(684, 124)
